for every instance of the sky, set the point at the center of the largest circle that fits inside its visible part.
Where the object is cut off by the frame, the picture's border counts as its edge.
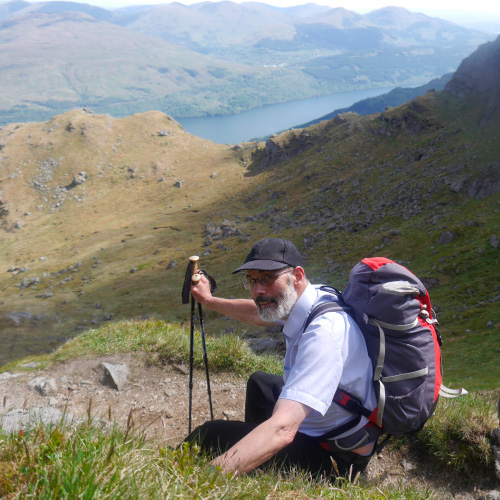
(429, 7)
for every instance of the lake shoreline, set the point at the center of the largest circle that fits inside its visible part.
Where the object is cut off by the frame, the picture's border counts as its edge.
(271, 119)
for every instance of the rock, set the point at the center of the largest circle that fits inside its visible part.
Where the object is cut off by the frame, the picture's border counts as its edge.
(446, 238)
(263, 344)
(116, 374)
(429, 282)
(44, 386)
(79, 179)
(486, 182)
(182, 369)
(494, 241)
(171, 264)
(228, 414)
(163, 133)
(6, 375)
(133, 270)
(17, 420)
(179, 183)
(33, 364)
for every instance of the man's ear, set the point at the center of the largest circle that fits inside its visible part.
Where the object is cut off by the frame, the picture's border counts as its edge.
(299, 276)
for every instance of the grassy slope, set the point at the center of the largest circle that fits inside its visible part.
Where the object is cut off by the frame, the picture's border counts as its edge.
(368, 185)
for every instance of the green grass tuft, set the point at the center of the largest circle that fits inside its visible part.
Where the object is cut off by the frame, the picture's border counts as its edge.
(457, 437)
(167, 342)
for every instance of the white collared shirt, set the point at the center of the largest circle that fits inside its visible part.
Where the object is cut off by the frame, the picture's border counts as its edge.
(330, 353)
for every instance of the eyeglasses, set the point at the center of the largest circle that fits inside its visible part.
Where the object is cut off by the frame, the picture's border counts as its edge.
(266, 280)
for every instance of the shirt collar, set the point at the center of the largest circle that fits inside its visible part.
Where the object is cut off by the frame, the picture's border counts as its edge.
(299, 312)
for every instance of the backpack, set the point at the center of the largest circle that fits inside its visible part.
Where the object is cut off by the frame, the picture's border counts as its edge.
(393, 310)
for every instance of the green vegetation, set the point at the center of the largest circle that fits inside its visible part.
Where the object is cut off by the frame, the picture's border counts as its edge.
(166, 342)
(95, 459)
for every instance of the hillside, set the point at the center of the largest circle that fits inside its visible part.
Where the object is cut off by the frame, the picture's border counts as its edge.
(213, 58)
(377, 104)
(53, 62)
(99, 215)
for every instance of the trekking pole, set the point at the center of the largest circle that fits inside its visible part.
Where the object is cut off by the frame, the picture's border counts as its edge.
(194, 269)
(205, 358)
(192, 277)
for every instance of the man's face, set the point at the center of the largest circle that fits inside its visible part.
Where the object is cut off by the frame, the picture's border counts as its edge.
(275, 294)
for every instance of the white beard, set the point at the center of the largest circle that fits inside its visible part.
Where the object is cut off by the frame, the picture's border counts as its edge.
(283, 305)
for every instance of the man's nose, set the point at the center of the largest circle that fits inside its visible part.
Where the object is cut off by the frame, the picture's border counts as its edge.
(259, 288)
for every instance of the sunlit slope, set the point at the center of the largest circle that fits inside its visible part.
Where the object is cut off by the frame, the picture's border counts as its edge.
(128, 213)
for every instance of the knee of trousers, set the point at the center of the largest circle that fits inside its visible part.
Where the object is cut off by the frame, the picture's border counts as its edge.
(253, 380)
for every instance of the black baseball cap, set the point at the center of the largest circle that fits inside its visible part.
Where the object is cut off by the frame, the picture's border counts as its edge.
(271, 254)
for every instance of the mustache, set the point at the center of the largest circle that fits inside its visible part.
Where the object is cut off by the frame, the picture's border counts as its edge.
(261, 299)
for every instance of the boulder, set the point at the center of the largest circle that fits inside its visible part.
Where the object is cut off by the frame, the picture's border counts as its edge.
(116, 375)
(44, 386)
(446, 238)
(16, 420)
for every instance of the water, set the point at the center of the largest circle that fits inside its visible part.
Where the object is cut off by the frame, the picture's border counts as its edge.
(271, 119)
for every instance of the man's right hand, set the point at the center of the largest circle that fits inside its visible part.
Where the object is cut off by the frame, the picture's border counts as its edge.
(201, 291)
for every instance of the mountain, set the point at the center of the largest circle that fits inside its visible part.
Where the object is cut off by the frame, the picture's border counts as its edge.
(8, 9)
(59, 7)
(477, 77)
(53, 62)
(210, 58)
(99, 215)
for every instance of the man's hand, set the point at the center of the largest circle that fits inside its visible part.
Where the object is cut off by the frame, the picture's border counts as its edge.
(265, 440)
(201, 291)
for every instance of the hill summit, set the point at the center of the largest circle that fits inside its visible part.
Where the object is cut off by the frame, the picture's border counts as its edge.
(479, 76)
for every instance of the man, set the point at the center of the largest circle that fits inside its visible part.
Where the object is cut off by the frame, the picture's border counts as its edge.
(289, 419)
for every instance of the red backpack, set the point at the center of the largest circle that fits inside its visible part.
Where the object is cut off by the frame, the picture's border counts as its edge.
(393, 310)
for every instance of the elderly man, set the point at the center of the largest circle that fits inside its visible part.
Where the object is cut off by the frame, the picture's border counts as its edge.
(293, 420)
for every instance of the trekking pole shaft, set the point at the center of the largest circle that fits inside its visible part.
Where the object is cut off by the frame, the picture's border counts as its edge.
(191, 363)
(205, 358)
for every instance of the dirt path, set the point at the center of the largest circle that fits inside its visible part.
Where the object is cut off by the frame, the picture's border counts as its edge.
(157, 399)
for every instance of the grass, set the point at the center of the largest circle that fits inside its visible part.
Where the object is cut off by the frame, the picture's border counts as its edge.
(94, 461)
(160, 342)
(458, 435)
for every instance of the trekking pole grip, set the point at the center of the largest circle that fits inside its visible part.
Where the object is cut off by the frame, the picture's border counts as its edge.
(195, 278)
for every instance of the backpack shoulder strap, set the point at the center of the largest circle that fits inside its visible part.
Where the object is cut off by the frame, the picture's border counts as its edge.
(324, 307)
(341, 397)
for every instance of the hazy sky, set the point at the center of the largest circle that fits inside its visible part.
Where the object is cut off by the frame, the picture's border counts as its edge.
(426, 6)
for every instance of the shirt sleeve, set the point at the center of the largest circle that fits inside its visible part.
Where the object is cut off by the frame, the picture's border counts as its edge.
(315, 374)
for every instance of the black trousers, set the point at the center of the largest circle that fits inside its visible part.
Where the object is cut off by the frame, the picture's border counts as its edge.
(304, 452)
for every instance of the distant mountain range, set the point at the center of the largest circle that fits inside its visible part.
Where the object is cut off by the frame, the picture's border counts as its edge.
(210, 58)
